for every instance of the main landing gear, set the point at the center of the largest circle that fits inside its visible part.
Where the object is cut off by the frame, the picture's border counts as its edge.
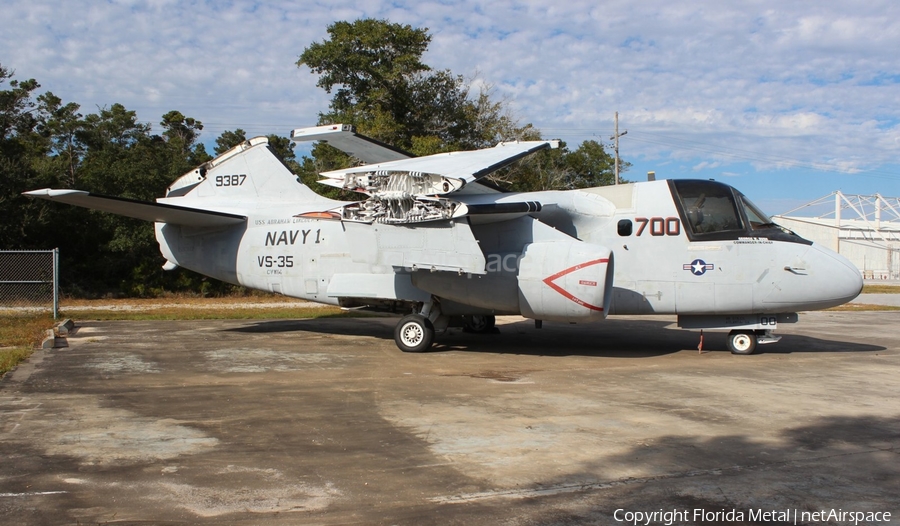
(415, 332)
(479, 323)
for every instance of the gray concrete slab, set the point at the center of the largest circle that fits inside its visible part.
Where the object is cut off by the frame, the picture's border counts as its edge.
(326, 422)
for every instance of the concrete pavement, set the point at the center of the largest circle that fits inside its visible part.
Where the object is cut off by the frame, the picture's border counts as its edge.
(326, 422)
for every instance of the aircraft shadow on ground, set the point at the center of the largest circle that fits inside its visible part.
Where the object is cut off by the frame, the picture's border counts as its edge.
(611, 338)
(798, 343)
(749, 473)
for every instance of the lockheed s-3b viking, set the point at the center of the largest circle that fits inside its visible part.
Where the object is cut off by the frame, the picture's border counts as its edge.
(432, 241)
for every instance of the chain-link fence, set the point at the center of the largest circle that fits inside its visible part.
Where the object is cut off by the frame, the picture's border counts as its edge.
(29, 280)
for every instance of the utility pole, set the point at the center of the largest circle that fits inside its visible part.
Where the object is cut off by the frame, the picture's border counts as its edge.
(616, 138)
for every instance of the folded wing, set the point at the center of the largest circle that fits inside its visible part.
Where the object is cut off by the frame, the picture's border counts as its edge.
(438, 174)
(408, 190)
(344, 138)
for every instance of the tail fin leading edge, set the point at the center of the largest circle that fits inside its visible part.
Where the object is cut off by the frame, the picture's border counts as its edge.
(247, 172)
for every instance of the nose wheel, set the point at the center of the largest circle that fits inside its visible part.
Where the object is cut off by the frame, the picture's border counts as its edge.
(742, 342)
(414, 333)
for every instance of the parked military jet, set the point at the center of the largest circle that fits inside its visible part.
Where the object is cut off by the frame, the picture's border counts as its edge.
(433, 241)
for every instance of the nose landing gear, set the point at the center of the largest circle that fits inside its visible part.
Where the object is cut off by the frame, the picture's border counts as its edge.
(744, 342)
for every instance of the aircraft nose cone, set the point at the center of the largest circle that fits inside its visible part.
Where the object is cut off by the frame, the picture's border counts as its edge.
(846, 280)
(821, 279)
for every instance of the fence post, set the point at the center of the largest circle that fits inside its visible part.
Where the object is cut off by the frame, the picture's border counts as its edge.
(55, 283)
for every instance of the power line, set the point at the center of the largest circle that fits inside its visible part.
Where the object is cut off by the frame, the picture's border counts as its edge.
(678, 143)
(752, 156)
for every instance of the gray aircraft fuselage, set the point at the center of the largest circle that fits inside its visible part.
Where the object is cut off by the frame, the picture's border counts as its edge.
(442, 248)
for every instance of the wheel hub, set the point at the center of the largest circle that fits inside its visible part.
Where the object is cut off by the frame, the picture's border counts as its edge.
(412, 334)
(742, 342)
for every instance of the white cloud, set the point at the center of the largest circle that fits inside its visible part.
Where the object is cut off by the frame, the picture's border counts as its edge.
(769, 82)
(706, 165)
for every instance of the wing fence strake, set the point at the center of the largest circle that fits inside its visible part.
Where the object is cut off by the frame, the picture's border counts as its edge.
(29, 281)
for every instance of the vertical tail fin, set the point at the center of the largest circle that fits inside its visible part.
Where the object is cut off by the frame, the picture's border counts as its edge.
(250, 170)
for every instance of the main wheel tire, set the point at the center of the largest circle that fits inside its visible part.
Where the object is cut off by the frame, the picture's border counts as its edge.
(479, 323)
(742, 342)
(414, 333)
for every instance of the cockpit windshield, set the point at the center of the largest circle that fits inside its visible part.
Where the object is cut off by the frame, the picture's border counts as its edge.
(715, 211)
(758, 220)
(709, 206)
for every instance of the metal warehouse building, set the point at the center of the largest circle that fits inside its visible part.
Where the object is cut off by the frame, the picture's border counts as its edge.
(863, 228)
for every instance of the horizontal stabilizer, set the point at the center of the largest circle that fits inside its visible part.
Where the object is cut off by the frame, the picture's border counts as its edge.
(156, 212)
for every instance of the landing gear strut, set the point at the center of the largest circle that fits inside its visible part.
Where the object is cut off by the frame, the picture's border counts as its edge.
(415, 332)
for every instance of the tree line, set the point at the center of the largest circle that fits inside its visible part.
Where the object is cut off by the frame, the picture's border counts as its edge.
(372, 68)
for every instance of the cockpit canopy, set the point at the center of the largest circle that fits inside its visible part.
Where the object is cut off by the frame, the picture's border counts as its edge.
(714, 211)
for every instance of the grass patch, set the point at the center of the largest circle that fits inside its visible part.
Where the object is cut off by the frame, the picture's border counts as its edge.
(862, 307)
(18, 337)
(881, 289)
(256, 307)
(180, 300)
(211, 313)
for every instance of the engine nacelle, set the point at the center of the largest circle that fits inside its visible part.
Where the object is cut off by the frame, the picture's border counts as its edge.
(565, 281)
(550, 280)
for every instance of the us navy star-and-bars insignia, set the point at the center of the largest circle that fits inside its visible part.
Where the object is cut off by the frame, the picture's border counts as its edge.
(698, 267)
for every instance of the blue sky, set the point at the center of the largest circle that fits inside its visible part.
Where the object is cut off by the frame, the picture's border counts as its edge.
(788, 101)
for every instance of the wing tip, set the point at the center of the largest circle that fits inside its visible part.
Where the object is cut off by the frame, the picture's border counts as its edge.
(53, 192)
